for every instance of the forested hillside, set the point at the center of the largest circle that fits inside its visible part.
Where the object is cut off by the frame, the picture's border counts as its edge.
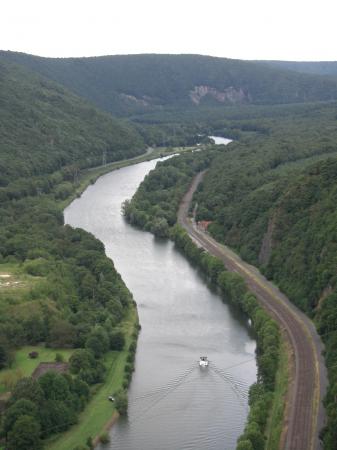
(242, 198)
(43, 128)
(273, 199)
(312, 67)
(58, 290)
(138, 83)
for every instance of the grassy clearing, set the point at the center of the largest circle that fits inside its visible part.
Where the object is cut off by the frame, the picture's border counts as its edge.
(15, 289)
(100, 410)
(13, 278)
(23, 366)
(275, 422)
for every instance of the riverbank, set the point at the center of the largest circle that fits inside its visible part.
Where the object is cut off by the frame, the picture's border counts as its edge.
(100, 413)
(89, 176)
(301, 426)
(41, 275)
(171, 180)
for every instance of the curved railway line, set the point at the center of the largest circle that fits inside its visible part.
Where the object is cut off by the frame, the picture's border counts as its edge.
(304, 414)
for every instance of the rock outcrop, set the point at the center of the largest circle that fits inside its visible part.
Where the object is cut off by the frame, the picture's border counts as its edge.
(228, 95)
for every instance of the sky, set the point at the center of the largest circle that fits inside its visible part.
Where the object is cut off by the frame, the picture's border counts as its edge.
(302, 30)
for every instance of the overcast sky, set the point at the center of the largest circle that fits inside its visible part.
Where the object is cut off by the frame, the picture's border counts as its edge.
(245, 29)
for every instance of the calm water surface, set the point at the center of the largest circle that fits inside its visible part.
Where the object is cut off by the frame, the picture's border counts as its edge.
(173, 404)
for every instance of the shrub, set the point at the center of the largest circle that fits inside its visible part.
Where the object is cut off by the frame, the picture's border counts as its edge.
(59, 358)
(122, 403)
(104, 438)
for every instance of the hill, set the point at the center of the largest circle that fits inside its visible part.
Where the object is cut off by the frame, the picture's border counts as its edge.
(134, 83)
(58, 289)
(278, 210)
(309, 67)
(44, 127)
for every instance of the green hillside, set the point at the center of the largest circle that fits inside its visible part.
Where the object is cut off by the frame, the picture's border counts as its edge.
(135, 83)
(44, 127)
(310, 67)
(273, 198)
(58, 290)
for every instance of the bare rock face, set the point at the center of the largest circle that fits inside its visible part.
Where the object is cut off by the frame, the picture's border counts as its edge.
(144, 101)
(267, 242)
(228, 95)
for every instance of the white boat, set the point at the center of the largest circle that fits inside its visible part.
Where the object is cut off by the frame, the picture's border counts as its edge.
(203, 362)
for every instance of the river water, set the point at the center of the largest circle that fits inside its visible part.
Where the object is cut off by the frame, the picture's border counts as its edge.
(173, 404)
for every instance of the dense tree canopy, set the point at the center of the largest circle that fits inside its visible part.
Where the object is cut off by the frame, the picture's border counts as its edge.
(136, 83)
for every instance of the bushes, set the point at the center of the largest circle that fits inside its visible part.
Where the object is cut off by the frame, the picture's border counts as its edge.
(130, 364)
(104, 438)
(121, 402)
(117, 341)
(84, 364)
(25, 434)
(51, 404)
(155, 204)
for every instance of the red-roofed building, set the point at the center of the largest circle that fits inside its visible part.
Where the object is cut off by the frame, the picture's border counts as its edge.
(204, 224)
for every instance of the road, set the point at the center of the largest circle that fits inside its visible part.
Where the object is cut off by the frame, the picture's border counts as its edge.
(304, 414)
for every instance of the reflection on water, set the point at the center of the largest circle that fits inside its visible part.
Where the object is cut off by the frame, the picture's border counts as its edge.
(174, 405)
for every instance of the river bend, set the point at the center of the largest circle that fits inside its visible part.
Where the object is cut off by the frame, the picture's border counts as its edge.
(173, 405)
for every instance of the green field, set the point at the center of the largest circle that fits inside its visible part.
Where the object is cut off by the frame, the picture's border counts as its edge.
(100, 410)
(24, 366)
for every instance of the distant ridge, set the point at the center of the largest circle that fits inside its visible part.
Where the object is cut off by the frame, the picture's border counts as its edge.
(126, 84)
(328, 68)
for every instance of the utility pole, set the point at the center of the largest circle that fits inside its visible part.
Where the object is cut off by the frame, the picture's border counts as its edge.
(104, 158)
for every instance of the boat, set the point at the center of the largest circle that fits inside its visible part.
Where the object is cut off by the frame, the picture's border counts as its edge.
(203, 362)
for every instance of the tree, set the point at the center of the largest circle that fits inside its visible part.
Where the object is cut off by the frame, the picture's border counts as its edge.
(28, 389)
(117, 341)
(121, 402)
(81, 359)
(245, 445)
(20, 408)
(98, 342)
(5, 355)
(252, 433)
(159, 227)
(62, 334)
(25, 434)
(59, 358)
(54, 386)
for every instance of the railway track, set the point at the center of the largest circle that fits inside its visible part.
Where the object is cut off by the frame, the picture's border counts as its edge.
(304, 414)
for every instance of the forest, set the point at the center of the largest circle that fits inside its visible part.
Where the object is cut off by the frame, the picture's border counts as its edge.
(64, 293)
(43, 128)
(128, 84)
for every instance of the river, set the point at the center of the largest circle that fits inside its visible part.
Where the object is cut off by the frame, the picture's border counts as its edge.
(173, 404)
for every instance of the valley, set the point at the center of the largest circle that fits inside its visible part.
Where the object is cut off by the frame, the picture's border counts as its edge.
(86, 141)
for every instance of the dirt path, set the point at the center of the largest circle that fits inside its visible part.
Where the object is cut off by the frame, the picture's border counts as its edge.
(305, 414)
